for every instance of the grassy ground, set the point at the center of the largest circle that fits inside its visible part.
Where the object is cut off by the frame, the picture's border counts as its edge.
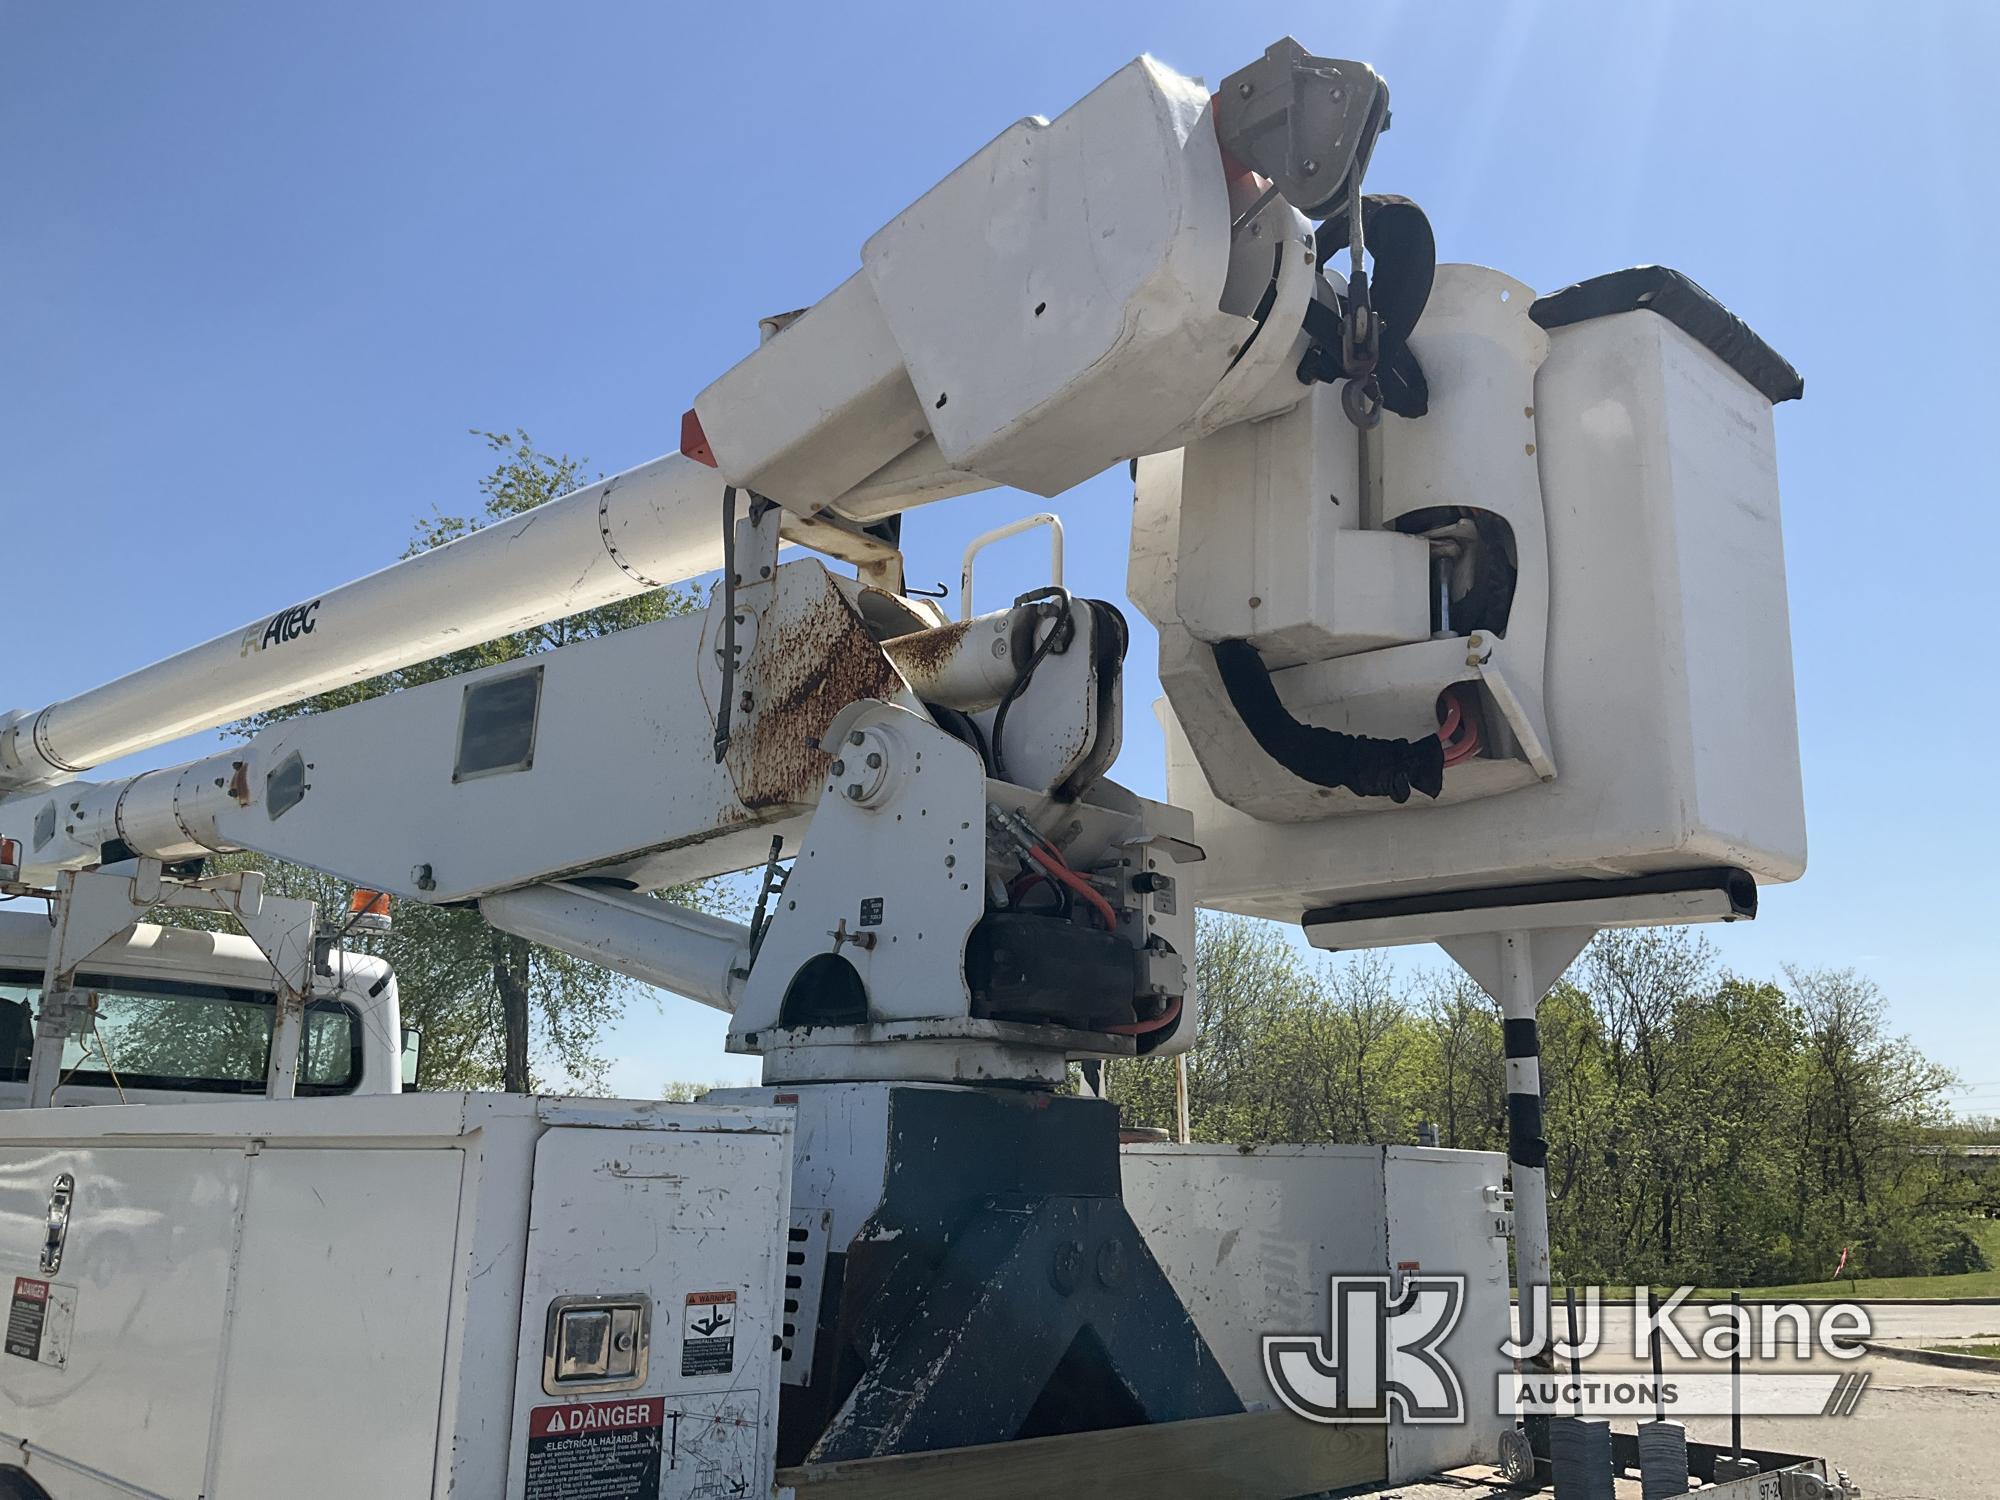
(1984, 1351)
(1930, 1288)
(1927, 1288)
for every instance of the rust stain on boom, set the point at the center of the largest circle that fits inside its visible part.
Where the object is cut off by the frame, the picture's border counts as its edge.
(924, 654)
(812, 665)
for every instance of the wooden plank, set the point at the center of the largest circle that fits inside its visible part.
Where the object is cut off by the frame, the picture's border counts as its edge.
(1268, 1455)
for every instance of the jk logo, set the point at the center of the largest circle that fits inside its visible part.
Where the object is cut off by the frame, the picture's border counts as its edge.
(1379, 1353)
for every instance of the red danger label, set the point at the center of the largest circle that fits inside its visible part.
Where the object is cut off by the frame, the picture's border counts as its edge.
(27, 1318)
(595, 1450)
(596, 1416)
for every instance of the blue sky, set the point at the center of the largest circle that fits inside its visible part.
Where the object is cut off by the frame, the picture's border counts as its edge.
(261, 267)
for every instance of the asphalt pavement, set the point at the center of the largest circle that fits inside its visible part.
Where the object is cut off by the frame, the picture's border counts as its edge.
(1915, 1433)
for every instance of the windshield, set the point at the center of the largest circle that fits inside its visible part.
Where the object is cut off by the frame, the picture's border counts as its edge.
(179, 1035)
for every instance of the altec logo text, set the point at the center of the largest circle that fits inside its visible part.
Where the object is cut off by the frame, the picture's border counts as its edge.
(285, 625)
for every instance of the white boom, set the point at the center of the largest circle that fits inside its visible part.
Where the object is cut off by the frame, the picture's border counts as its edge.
(889, 392)
(635, 531)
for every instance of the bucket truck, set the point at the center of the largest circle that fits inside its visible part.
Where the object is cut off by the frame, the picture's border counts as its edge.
(1472, 629)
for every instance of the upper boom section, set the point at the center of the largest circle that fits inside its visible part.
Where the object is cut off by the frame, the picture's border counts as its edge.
(639, 530)
(1075, 295)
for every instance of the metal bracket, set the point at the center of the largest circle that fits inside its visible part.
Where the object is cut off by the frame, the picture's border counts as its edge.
(806, 1247)
(1308, 123)
(94, 907)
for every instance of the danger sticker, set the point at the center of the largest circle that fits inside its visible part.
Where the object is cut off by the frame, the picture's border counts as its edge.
(596, 1450)
(708, 1333)
(40, 1315)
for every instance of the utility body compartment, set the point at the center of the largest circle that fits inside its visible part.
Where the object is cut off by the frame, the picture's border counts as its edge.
(1251, 1236)
(342, 1297)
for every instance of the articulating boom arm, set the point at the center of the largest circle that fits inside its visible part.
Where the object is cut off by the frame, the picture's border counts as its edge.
(1462, 596)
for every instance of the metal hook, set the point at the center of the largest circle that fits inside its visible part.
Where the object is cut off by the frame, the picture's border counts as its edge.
(937, 593)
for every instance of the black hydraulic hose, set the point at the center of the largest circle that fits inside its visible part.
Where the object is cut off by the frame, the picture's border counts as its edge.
(1049, 642)
(1365, 766)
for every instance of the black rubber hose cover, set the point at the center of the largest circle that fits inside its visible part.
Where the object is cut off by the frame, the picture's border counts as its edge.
(1366, 766)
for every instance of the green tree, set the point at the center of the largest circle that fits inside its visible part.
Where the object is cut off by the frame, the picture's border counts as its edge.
(491, 1005)
(1703, 1128)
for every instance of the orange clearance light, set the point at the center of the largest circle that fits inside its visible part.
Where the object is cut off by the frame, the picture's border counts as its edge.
(10, 858)
(368, 910)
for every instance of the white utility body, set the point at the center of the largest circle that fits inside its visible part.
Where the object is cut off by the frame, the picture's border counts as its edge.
(1250, 1239)
(322, 1300)
(1472, 629)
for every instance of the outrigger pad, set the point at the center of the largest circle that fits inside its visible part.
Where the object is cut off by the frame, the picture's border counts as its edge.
(1047, 1315)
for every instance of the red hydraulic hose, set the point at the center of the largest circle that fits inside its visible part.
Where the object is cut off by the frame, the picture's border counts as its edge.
(1058, 868)
(1053, 862)
(1164, 1019)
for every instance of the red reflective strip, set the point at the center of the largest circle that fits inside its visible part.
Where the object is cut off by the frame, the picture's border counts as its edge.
(694, 442)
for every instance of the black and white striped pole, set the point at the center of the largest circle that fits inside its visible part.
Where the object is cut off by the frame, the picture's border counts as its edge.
(1517, 968)
(1527, 1147)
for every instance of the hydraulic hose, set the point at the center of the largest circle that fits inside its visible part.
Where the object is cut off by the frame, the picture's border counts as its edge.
(1366, 766)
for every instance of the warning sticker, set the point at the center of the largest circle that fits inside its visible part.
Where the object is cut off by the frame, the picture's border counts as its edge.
(708, 1333)
(40, 1316)
(714, 1440)
(596, 1450)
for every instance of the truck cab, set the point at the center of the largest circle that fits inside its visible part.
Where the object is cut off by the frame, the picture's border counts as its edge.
(185, 1016)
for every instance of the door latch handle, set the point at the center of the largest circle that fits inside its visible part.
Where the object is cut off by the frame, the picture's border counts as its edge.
(58, 1227)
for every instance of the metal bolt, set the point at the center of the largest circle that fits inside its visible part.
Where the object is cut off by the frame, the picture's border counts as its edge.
(999, 648)
(1310, 166)
(1065, 1266)
(874, 760)
(854, 791)
(1245, 89)
(1110, 1263)
(856, 737)
(422, 879)
(840, 768)
(743, 703)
